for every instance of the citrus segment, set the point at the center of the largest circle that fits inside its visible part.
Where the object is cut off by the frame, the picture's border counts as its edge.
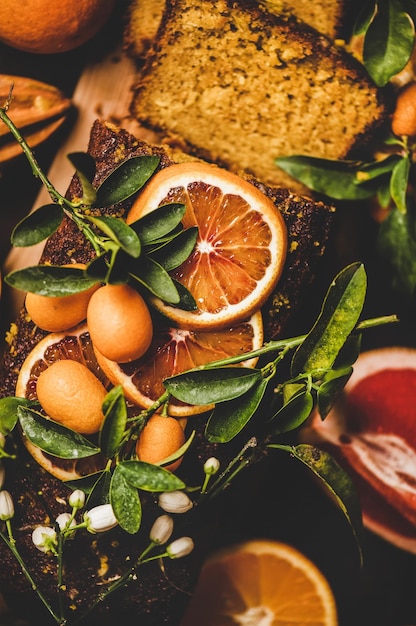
(372, 432)
(241, 245)
(261, 582)
(77, 346)
(174, 351)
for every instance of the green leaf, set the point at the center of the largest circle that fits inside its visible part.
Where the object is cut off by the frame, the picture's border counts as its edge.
(339, 315)
(120, 233)
(159, 222)
(54, 438)
(186, 300)
(155, 279)
(37, 226)
(397, 247)
(389, 41)
(377, 169)
(98, 268)
(125, 500)
(112, 430)
(50, 280)
(149, 477)
(211, 386)
(332, 385)
(175, 252)
(292, 414)
(86, 168)
(364, 17)
(86, 483)
(336, 179)
(335, 480)
(399, 182)
(229, 418)
(9, 413)
(100, 491)
(178, 453)
(124, 181)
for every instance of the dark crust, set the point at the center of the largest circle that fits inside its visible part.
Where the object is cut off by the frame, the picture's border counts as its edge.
(158, 596)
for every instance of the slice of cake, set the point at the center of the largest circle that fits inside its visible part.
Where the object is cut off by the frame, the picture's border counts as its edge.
(237, 85)
(159, 592)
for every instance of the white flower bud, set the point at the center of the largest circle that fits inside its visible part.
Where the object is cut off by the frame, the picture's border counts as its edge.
(211, 466)
(6, 506)
(162, 529)
(44, 538)
(2, 475)
(63, 520)
(180, 547)
(100, 518)
(77, 499)
(175, 502)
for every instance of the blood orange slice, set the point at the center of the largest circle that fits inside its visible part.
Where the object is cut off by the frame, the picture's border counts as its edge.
(372, 431)
(76, 345)
(175, 350)
(241, 246)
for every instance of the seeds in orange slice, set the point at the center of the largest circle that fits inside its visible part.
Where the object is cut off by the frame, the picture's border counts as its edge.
(176, 350)
(77, 346)
(241, 246)
(261, 582)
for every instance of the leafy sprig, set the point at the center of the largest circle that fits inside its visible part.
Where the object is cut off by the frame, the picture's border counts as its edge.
(388, 27)
(141, 253)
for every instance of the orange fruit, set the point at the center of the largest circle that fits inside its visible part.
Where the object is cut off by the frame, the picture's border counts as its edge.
(119, 323)
(77, 346)
(261, 582)
(46, 27)
(176, 350)
(72, 395)
(160, 438)
(372, 432)
(241, 246)
(404, 116)
(55, 314)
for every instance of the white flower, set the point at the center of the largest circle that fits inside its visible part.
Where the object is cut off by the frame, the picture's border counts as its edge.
(100, 518)
(6, 506)
(44, 538)
(180, 547)
(211, 466)
(162, 529)
(77, 499)
(2, 475)
(63, 519)
(175, 502)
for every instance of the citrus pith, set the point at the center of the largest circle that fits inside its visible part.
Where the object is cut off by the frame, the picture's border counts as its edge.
(174, 351)
(241, 246)
(261, 582)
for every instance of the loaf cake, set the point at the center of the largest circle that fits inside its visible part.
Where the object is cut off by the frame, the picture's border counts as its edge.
(160, 594)
(240, 86)
(144, 17)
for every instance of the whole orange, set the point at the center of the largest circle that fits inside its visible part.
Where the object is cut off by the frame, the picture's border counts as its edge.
(404, 116)
(72, 395)
(159, 439)
(48, 27)
(119, 323)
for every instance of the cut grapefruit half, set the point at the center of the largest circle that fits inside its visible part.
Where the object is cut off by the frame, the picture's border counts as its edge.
(76, 345)
(241, 246)
(372, 432)
(175, 350)
(262, 583)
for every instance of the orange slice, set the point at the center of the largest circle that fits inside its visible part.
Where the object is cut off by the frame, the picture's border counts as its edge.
(371, 430)
(261, 582)
(241, 246)
(75, 345)
(176, 350)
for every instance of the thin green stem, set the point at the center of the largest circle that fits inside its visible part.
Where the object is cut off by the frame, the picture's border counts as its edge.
(10, 542)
